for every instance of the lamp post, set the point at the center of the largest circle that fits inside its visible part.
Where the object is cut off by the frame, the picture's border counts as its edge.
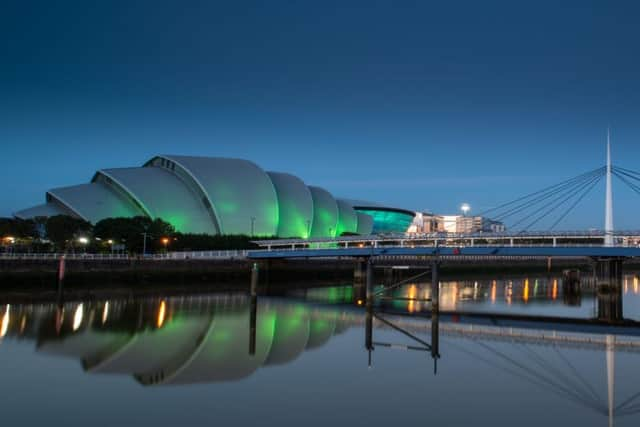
(144, 243)
(165, 242)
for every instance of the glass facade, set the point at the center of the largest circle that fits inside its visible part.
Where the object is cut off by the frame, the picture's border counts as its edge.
(388, 220)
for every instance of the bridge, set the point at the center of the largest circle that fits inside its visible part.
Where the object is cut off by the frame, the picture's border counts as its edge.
(552, 204)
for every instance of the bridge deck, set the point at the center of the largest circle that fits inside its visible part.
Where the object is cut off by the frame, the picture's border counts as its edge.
(494, 251)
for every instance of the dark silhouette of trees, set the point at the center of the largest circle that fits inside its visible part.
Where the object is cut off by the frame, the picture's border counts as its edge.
(64, 230)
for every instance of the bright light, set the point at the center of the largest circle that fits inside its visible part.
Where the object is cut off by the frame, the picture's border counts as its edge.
(161, 313)
(105, 312)
(83, 240)
(110, 242)
(165, 241)
(9, 239)
(493, 291)
(465, 208)
(4, 326)
(77, 317)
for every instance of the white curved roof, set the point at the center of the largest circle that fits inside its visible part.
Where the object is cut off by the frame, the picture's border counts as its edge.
(325, 213)
(209, 195)
(365, 224)
(43, 210)
(163, 195)
(347, 218)
(295, 205)
(95, 201)
(241, 193)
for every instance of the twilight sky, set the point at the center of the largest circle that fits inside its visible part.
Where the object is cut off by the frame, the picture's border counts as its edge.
(418, 104)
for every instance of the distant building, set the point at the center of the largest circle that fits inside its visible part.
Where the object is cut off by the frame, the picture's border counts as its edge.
(426, 222)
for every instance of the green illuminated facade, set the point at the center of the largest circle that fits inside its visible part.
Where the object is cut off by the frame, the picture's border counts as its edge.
(213, 195)
(387, 220)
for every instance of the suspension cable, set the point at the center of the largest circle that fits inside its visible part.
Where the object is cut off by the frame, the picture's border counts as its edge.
(539, 192)
(587, 191)
(556, 202)
(565, 187)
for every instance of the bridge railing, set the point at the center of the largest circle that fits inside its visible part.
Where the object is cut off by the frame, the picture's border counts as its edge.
(339, 245)
(222, 254)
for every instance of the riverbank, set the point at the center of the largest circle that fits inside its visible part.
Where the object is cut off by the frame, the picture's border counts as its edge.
(18, 273)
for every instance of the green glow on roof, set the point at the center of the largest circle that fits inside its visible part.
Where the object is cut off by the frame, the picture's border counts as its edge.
(347, 219)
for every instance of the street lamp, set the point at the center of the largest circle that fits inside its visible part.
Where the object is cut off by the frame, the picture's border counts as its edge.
(165, 242)
(9, 240)
(465, 208)
(83, 241)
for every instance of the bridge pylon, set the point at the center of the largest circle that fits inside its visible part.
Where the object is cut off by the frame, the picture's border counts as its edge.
(608, 202)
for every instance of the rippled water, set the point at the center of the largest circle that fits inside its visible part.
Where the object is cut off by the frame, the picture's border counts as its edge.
(317, 357)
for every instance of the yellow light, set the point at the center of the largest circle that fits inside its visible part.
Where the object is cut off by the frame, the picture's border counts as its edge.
(359, 302)
(361, 245)
(110, 242)
(554, 291)
(165, 241)
(525, 294)
(635, 284)
(77, 317)
(105, 312)
(10, 239)
(161, 313)
(493, 291)
(413, 291)
(4, 326)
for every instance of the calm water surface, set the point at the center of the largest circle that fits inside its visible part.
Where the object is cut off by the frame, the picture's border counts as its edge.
(309, 358)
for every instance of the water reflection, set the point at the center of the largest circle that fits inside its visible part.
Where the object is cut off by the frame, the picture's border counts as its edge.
(177, 340)
(224, 338)
(573, 294)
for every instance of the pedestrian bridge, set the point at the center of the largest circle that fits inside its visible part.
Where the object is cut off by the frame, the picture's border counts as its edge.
(567, 244)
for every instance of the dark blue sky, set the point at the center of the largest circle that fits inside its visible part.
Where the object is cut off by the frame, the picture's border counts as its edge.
(418, 104)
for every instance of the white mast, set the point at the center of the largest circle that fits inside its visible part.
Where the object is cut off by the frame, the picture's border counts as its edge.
(608, 204)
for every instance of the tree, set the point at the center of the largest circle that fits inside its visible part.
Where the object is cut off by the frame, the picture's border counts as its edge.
(63, 229)
(18, 228)
(130, 231)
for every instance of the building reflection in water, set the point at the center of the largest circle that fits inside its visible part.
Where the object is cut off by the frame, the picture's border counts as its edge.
(544, 290)
(226, 337)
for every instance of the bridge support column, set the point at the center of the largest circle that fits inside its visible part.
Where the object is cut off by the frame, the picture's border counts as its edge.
(252, 324)
(254, 279)
(369, 282)
(571, 289)
(368, 337)
(609, 289)
(359, 281)
(61, 274)
(435, 287)
(435, 339)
